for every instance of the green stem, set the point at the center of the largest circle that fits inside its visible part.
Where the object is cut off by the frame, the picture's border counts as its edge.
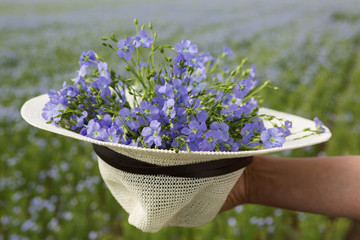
(253, 93)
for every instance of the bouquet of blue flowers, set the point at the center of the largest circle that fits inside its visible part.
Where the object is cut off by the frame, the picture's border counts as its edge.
(188, 101)
(173, 127)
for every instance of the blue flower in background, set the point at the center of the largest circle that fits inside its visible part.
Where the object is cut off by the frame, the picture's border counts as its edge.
(272, 137)
(152, 134)
(227, 51)
(142, 40)
(205, 57)
(252, 71)
(125, 48)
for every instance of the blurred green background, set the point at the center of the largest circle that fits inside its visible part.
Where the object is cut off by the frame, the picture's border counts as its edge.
(50, 186)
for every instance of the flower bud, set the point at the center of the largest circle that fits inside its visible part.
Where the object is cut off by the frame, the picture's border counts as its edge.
(136, 21)
(113, 37)
(155, 36)
(150, 26)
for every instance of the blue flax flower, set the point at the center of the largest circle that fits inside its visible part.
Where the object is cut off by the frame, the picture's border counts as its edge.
(129, 119)
(103, 70)
(231, 112)
(50, 112)
(79, 120)
(179, 67)
(180, 92)
(223, 130)
(230, 145)
(169, 108)
(68, 90)
(202, 116)
(166, 91)
(211, 137)
(88, 58)
(206, 57)
(319, 125)
(251, 130)
(199, 74)
(81, 74)
(125, 48)
(163, 92)
(248, 107)
(111, 135)
(57, 103)
(151, 112)
(194, 130)
(185, 46)
(142, 40)
(286, 128)
(106, 121)
(152, 133)
(95, 131)
(243, 88)
(272, 137)
(193, 61)
(227, 51)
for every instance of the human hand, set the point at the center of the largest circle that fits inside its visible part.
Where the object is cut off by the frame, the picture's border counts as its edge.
(239, 194)
(322, 185)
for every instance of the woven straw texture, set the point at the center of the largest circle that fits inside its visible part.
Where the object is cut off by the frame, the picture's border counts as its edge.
(155, 202)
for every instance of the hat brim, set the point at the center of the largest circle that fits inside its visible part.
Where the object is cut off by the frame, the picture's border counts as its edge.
(32, 109)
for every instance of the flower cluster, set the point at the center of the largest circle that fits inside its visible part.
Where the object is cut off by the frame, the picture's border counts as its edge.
(189, 101)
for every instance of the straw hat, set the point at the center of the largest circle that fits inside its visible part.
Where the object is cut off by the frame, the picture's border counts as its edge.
(153, 185)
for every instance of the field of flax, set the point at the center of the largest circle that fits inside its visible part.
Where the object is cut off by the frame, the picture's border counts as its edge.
(50, 186)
